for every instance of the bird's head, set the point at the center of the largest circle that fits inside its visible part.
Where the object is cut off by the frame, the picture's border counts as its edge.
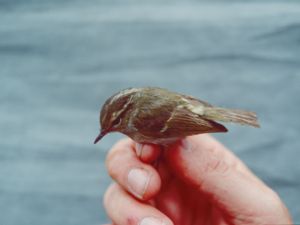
(115, 112)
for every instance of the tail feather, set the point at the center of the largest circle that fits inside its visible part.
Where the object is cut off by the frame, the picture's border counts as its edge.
(232, 115)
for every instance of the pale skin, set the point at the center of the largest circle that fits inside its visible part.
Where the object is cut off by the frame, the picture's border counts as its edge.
(195, 181)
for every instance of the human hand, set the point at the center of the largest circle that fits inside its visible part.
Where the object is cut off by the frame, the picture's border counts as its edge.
(197, 181)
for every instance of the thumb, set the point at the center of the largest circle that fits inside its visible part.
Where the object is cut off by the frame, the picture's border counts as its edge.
(216, 172)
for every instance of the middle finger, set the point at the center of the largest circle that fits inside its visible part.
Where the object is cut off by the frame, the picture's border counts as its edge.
(135, 176)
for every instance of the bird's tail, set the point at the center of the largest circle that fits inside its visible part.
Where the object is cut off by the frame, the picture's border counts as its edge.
(231, 115)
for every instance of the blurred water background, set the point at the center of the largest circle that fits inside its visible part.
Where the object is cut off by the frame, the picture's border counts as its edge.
(60, 59)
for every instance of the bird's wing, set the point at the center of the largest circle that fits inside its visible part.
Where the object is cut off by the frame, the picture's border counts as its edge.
(196, 101)
(151, 119)
(183, 122)
(165, 119)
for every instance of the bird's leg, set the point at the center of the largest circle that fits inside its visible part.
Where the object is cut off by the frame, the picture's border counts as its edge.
(159, 158)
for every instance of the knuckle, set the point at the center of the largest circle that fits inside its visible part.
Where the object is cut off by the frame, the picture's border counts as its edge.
(219, 166)
(131, 220)
(111, 162)
(271, 211)
(113, 206)
(215, 162)
(114, 156)
(108, 195)
(276, 206)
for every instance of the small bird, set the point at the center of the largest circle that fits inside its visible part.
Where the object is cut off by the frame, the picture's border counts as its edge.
(153, 115)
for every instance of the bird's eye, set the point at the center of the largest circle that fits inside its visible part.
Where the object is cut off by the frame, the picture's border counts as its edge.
(117, 122)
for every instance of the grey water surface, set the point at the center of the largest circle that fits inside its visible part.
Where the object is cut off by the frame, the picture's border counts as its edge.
(60, 59)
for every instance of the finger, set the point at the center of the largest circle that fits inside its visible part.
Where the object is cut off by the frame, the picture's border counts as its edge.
(205, 163)
(123, 209)
(147, 153)
(138, 178)
(208, 154)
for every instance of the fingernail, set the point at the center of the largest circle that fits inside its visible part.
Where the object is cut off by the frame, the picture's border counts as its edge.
(151, 221)
(139, 148)
(138, 180)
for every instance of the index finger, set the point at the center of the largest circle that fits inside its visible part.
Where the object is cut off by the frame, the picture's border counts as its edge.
(216, 172)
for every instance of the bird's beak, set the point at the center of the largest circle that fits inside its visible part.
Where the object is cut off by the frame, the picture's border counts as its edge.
(100, 136)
